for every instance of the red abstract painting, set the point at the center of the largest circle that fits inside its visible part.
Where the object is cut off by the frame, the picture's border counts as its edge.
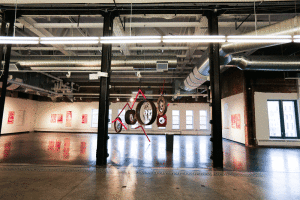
(69, 119)
(53, 118)
(11, 117)
(236, 121)
(59, 118)
(84, 118)
(232, 121)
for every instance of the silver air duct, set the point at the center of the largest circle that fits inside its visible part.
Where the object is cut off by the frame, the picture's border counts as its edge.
(266, 63)
(87, 61)
(287, 27)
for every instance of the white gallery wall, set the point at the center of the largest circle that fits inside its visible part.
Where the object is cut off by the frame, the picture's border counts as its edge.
(233, 107)
(45, 109)
(23, 119)
(262, 121)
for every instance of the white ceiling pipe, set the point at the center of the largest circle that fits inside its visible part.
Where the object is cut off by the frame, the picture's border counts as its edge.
(86, 61)
(147, 48)
(130, 95)
(141, 24)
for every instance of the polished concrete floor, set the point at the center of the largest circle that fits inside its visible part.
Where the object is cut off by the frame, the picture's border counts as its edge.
(62, 166)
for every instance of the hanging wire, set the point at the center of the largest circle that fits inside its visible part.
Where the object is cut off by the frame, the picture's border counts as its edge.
(130, 18)
(255, 19)
(15, 17)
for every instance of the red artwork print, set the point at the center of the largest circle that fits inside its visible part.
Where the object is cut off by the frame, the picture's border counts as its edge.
(82, 147)
(57, 146)
(84, 118)
(233, 121)
(51, 146)
(59, 118)
(238, 121)
(6, 151)
(53, 118)
(66, 154)
(69, 119)
(11, 117)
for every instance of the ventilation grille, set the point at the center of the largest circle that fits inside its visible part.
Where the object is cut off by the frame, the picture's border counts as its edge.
(161, 66)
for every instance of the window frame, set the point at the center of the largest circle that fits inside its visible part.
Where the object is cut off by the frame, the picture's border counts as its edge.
(109, 117)
(186, 120)
(206, 120)
(281, 115)
(178, 120)
(92, 117)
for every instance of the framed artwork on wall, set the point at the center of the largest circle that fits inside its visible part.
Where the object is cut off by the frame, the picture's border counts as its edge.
(84, 119)
(11, 117)
(60, 118)
(53, 118)
(69, 119)
(236, 121)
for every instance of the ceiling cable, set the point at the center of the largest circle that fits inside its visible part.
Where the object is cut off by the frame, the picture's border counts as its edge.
(255, 18)
(130, 18)
(15, 17)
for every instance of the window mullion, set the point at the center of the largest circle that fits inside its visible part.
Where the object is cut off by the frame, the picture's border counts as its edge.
(297, 118)
(281, 119)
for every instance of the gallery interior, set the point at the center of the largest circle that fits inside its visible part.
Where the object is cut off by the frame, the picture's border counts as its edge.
(150, 99)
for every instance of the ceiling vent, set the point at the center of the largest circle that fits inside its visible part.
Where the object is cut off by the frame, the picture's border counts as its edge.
(161, 66)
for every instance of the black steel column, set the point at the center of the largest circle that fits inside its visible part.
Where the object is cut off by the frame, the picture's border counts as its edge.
(217, 150)
(249, 109)
(101, 157)
(7, 60)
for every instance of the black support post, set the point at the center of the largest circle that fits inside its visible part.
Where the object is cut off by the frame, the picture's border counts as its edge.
(217, 150)
(4, 77)
(249, 109)
(101, 155)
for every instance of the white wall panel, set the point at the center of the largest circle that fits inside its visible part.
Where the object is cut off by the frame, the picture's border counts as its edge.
(29, 108)
(45, 109)
(236, 105)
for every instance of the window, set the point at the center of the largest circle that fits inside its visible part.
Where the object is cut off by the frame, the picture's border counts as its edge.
(109, 118)
(94, 118)
(148, 126)
(189, 119)
(133, 126)
(175, 119)
(203, 119)
(282, 119)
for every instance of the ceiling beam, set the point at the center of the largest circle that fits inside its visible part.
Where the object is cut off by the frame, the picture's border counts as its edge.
(28, 23)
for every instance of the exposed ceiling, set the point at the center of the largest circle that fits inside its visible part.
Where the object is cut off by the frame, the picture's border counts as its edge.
(56, 61)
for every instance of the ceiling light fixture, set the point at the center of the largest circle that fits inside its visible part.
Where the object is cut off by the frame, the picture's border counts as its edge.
(194, 38)
(296, 38)
(260, 38)
(130, 39)
(151, 39)
(18, 40)
(69, 40)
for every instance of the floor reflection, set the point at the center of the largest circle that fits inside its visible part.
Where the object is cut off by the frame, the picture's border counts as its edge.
(137, 151)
